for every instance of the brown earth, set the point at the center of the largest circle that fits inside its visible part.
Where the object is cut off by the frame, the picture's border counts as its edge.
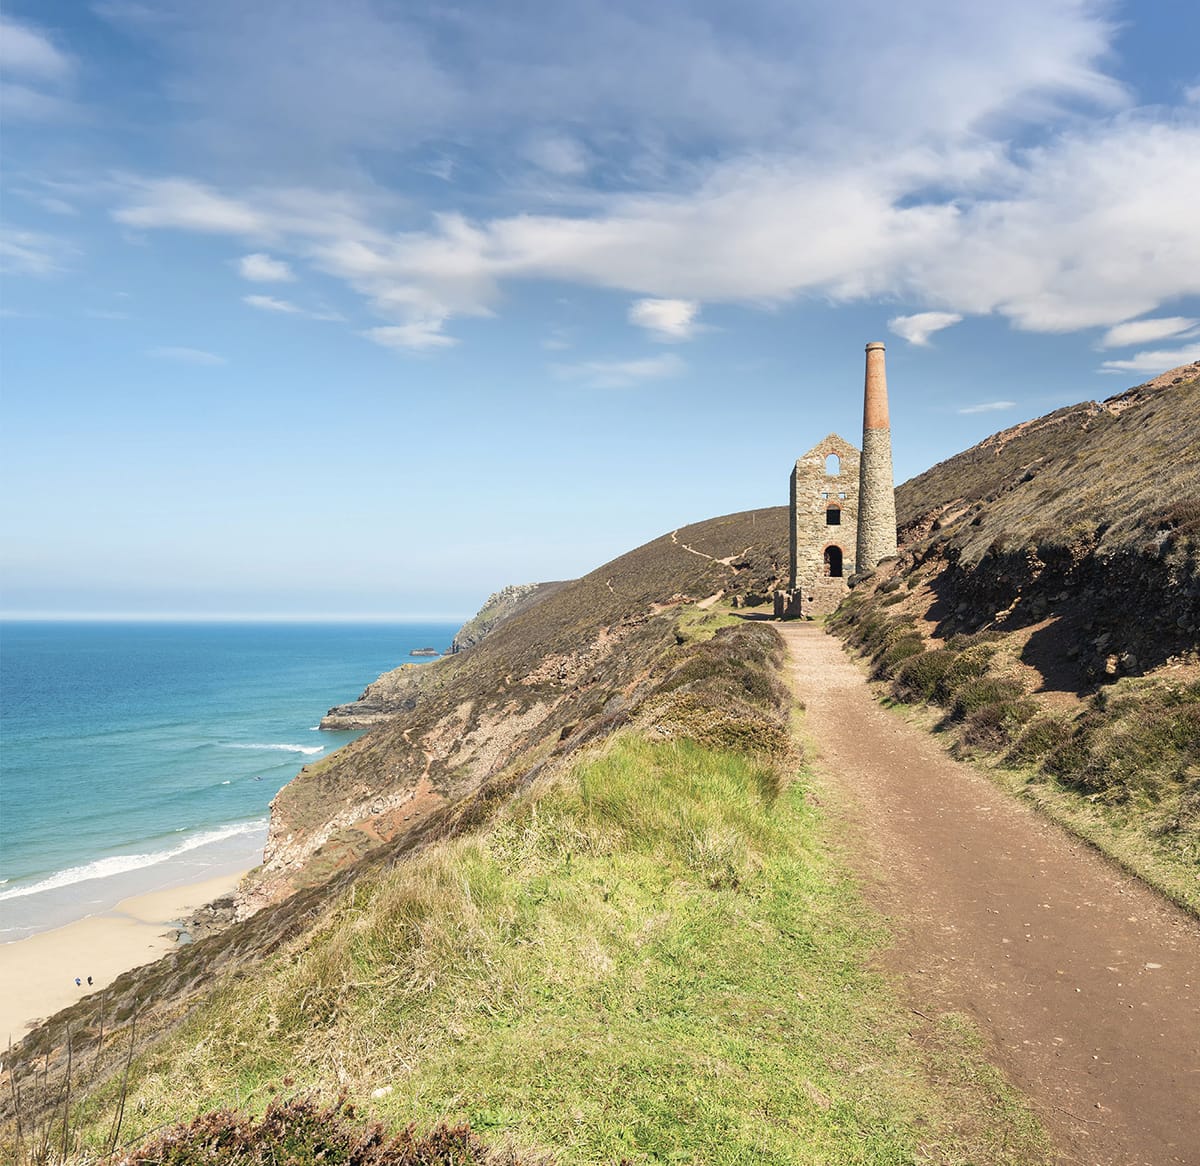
(1085, 983)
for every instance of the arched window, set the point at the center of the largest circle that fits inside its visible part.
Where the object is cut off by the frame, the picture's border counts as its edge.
(833, 465)
(833, 562)
(833, 516)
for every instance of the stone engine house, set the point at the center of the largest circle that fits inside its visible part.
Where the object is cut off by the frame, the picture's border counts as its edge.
(842, 513)
(823, 527)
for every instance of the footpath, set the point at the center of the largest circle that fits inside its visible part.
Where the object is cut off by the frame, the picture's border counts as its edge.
(1085, 983)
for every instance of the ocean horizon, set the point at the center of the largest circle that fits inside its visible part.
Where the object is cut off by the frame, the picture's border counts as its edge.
(142, 755)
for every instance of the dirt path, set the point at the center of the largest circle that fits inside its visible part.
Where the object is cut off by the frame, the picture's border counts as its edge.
(1086, 983)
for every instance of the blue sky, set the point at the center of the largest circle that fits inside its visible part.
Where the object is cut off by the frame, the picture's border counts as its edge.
(371, 308)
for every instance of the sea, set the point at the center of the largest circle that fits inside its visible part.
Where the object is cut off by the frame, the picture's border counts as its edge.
(138, 757)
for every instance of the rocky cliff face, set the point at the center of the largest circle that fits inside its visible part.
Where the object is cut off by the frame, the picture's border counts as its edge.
(565, 662)
(1086, 519)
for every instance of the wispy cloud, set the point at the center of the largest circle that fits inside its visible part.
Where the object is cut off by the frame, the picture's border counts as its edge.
(286, 307)
(988, 407)
(917, 329)
(733, 196)
(1146, 331)
(187, 355)
(262, 268)
(1155, 360)
(620, 374)
(26, 51)
(36, 74)
(190, 206)
(33, 252)
(271, 304)
(416, 336)
(666, 319)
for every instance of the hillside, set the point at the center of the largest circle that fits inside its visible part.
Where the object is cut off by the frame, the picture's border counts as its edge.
(635, 942)
(552, 675)
(1046, 602)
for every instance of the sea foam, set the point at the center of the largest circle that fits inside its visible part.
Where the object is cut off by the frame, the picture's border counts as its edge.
(119, 863)
(306, 749)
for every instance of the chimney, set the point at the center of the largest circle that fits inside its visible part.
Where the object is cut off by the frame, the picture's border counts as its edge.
(876, 490)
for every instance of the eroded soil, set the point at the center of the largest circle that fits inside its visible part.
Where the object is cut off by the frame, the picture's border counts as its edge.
(1085, 983)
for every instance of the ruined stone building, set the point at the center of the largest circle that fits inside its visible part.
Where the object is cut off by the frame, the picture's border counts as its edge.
(842, 513)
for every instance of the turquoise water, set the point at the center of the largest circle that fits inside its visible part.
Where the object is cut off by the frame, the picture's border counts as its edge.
(141, 755)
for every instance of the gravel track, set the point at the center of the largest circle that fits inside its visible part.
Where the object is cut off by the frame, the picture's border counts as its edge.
(1084, 981)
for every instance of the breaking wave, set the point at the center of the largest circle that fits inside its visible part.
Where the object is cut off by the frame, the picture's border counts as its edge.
(308, 750)
(120, 863)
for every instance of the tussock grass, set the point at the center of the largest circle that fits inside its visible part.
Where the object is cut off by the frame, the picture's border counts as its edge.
(652, 957)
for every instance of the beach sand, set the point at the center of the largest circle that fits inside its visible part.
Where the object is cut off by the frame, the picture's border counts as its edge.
(37, 974)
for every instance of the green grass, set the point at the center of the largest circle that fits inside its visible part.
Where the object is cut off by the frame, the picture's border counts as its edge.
(654, 957)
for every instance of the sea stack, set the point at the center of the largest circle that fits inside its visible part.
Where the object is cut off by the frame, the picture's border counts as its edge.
(876, 489)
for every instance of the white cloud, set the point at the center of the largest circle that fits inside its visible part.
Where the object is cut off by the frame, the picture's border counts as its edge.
(1157, 360)
(988, 407)
(415, 336)
(271, 304)
(27, 51)
(620, 374)
(187, 355)
(728, 168)
(190, 206)
(666, 319)
(36, 75)
(32, 252)
(558, 155)
(261, 268)
(918, 328)
(1146, 331)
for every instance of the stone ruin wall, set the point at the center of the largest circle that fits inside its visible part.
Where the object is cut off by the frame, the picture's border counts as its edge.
(811, 592)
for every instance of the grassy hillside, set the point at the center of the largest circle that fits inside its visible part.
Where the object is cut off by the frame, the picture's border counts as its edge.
(649, 952)
(578, 655)
(1046, 607)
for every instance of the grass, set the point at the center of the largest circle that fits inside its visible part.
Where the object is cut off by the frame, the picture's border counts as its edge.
(1122, 771)
(652, 958)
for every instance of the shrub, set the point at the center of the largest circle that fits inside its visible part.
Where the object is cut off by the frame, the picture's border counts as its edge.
(993, 725)
(1040, 737)
(904, 648)
(299, 1133)
(980, 692)
(919, 676)
(969, 664)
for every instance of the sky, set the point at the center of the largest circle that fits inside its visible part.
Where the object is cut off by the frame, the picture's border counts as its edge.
(366, 309)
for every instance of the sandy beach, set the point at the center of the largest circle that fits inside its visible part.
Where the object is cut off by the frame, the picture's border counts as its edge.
(37, 974)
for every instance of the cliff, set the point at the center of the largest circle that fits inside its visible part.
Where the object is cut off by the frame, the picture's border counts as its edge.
(563, 658)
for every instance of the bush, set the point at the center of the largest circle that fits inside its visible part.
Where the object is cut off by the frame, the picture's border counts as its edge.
(919, 676)
(982, 692)
(904, 648)
(299, 1133)
(969, 664)
(993, 725)
(1041, 736)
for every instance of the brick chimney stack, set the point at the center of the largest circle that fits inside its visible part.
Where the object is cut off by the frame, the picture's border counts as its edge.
(876, 489)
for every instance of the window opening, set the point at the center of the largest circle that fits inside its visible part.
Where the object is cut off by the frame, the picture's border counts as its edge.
(833, 516)
(833, 465)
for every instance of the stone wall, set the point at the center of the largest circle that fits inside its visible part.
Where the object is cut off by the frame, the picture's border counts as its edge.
(813, 589)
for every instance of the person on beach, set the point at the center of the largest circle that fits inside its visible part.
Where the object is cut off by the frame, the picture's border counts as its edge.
(78, 982)
(89, 981)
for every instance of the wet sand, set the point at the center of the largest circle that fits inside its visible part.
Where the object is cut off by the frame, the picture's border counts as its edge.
(37, 974)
